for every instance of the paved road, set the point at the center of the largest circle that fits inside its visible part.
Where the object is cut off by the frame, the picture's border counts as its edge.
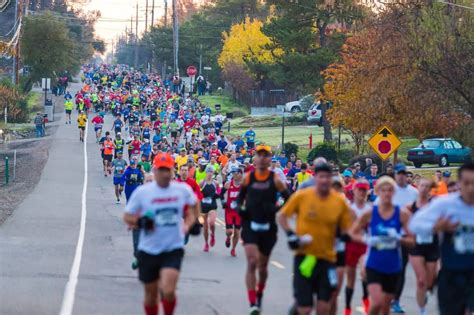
(38, 244)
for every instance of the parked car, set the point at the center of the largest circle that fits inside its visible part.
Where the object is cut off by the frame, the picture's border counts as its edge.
(315, 114)
(299, 105)
(441, 151)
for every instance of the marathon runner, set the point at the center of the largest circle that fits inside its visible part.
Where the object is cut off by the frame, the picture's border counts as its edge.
(98, 122)
(385, 222)
(210, 192)
(119, 165)
(453, 217)
(354, 250)
(319, 212)
(108, 150)
(157, 209)
(258, 194)
(232, 218)
(425, 254)
(81, 123)
(68, 107)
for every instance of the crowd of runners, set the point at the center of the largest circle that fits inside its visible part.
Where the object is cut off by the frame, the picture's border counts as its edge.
(170, 156)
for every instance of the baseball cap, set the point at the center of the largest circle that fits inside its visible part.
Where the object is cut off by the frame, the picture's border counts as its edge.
(132, 162)
(247, 160)
(209, 169)
(262, 147)
(202, 162)
(362, 185)
(400, 168)
(274, 160)
(163, 160)
(446, 174)
(347, 173)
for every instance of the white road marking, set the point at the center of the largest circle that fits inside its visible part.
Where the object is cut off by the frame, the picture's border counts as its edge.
(277, 264)
(220, 221)
(70, 290)
(360, 309)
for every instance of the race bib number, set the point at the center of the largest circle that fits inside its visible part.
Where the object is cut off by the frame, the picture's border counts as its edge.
(134, 177)
(332, 277)
(233, 205)
(167, 217)
(119, 169)
(385, 243)
(259, 227)
(207, 200)
(464, 239)
(424, 239)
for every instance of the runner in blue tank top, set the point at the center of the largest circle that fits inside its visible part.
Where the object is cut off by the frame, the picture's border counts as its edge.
(385, 222)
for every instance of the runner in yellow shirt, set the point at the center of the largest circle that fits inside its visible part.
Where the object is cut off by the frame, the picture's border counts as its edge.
(81, 123)
(320, 212)
(301, 176)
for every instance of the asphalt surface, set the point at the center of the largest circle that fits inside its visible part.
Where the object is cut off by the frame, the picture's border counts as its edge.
(38, 245)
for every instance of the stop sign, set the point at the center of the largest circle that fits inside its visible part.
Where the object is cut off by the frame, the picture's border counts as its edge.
(384, 146)
(191, 71)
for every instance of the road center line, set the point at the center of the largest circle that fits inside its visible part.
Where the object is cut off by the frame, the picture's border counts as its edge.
(70, 290)
(277, 264)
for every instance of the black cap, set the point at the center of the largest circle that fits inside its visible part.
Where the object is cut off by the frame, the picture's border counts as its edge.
(322, 167)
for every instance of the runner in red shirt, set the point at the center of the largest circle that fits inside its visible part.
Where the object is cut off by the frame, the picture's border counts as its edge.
(232, 218)
(98, 122)
(135, 144)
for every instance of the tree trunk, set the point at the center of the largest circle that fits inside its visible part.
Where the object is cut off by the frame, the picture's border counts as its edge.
(325, 123)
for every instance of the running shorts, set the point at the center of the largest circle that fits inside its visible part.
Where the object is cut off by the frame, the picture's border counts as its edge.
(82, 127)
(108, 157)
(455, 292)
(232, 220)
(428, 251)
(205, 208)
(68, 111)
(265, 241)
(322, 282)
(174, 134)
(341, 259)
(354, 251)
(119, 181)
(388, 281)
(149, 266)
(97, 129)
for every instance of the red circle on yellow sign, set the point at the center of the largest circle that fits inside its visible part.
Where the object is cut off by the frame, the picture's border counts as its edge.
(384, 146)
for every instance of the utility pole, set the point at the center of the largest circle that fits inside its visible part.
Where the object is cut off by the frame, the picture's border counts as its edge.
(166, 14)
(200, 59)
(135, 63)
(146, 15)
(152, 13)
(16, 58)
(175, 37)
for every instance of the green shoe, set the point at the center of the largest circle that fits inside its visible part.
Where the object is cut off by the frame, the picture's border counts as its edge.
(134, 264)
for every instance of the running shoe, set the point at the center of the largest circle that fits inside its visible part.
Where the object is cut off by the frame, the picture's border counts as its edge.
(397, 308)
(254, 310)
(259, 300)
(366, 303)
(232, 253)
(134, 264)
(118, 201)
(347, 311)
(213, 240)
(206, 247)
(227, 242)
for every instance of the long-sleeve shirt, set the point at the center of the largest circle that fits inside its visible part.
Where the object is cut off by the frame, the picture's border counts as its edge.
(457, 249)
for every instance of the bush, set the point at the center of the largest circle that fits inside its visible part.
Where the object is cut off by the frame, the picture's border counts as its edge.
(326, 150)
(296, 119)
(239, 112)
(291, 148)
(345, 155)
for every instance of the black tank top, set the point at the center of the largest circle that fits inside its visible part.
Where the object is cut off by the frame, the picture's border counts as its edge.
(261, 199)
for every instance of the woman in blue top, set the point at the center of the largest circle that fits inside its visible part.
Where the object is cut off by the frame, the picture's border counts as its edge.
(133, 177)
(385, 222)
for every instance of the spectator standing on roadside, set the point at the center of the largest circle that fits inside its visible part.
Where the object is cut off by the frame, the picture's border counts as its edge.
(39, 123)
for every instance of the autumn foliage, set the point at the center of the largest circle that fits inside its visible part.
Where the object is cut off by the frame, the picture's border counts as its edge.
(379, 81)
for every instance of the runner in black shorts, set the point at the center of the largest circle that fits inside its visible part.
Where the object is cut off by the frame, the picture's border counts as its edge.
(259, 231)
(425, 254)
(162, 229)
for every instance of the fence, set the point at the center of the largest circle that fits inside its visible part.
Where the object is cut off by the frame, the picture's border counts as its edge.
(263, 98)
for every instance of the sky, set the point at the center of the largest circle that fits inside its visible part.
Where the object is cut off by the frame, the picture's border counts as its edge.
(116, 16)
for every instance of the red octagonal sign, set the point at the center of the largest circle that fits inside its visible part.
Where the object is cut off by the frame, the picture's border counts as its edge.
(384, 146)
(191, 71)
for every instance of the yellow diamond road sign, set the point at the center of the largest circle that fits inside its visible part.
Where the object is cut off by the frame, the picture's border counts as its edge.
(384, 142)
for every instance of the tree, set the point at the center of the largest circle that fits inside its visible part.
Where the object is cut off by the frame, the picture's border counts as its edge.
(245, 41)
(239, 78)
(379, 82)
(46, 45)
(15, 103)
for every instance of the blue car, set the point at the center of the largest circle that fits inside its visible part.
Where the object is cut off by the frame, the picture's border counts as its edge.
(441, 151)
